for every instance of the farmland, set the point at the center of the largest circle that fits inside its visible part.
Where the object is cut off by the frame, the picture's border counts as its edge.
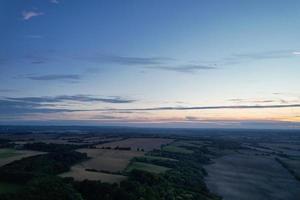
(233, 166)
(10, 155)
(79, 173)
(108, 160)
(147, 167)
(252, 170)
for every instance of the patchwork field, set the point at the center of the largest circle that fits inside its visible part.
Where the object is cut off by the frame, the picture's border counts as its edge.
(10, 155)
(147, 167)
(159, 158)
(147, 144)
(108, 160)
(79, 173)
(244, 177)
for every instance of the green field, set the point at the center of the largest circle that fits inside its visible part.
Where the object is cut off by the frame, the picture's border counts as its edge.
(6, 153)
(177, 149)
(9, 188)
(147, 167)
(159, 158)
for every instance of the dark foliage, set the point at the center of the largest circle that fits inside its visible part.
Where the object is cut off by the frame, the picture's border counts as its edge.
(40, 146)
(48, 164)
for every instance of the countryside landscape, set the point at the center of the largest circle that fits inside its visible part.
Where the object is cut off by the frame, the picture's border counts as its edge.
(149, 100)
(149, 164)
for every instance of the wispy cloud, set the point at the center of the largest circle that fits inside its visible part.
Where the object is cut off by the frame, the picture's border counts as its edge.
(50, 104)
(184, 68)
(54, 1)
(7, 90)
(254, 100)
(126, 60)
(210, 107)
(10, 106)
(296, 52)
(239, 58)
(264, 55)
(55, 77)
(34, 36)
(78, 98)
(27, 15)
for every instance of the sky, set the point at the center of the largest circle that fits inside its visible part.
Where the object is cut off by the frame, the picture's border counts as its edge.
(170, 63)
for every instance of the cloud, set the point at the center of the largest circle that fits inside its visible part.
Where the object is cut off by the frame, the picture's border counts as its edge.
(14, 107)
(27, 15)
(8, 90)
(54, 1)
(254, 101)
(264, 55)
(34, 36)
(191, 118)
(127, 60)
(106, 117)
(49, 104)
(184, 68)
(63, 98)
(54, 77)
(210, 107)
(296, 52)
(239, 58)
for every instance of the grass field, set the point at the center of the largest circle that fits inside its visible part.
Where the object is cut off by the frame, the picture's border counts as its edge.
(80, 174)
(146, 167)
(10, 155)
(176, 149)
(6, 153)
(159, 158)
(147, 144)
(9, 187)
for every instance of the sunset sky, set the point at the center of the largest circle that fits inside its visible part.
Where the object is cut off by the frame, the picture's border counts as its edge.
(156, 63)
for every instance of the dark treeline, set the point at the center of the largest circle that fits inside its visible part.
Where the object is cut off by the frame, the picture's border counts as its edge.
(50, 147)
(21, 171)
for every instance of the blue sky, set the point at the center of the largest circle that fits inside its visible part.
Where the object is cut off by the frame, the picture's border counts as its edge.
(168, 63)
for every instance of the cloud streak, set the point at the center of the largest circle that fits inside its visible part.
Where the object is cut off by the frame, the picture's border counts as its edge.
(213, 107)
(54, 1)
(127, 60)
(62, 98)
(47, 104)
(184, 68)
(27, 15)
(8, 90)
(55, 77)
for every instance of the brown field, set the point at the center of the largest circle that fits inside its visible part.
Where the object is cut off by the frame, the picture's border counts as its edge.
(148, 144)
(14, 155)
(80, 174)
(247, 177)
(108, 160)
(102, 160)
